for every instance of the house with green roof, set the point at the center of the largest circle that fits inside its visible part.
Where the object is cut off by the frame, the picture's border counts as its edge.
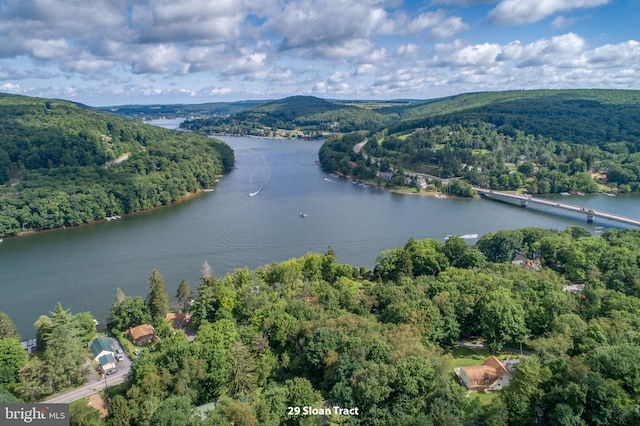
(102, 351)
(107, 364)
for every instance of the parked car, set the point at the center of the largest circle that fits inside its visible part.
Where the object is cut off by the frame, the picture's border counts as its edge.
(136, 352)
(119, 351)
(119, 357)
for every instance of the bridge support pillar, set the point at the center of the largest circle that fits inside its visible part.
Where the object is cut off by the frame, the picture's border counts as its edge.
(523, 203)
(590, 216)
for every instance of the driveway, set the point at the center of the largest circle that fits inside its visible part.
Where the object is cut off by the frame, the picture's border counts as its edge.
(95, 383)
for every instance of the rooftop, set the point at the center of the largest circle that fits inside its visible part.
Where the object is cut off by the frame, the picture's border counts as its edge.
(101, 344)
(490, 371)
(140, 331)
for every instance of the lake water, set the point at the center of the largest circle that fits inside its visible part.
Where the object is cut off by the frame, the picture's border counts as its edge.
(82, 267)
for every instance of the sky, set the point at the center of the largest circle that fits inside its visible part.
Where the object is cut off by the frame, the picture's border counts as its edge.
(116, 52)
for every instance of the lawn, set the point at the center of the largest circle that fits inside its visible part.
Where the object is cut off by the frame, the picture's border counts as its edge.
(465, 356)
(484, 398)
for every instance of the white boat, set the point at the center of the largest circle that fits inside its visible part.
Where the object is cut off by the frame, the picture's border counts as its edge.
(208, 190)
(464, 237)
(251, 194)
(303, 214)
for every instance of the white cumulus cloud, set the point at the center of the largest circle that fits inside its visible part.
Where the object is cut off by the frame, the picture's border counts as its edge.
(517, 12)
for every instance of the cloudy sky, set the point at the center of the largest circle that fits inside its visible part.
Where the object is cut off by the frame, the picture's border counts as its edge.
(111, 52)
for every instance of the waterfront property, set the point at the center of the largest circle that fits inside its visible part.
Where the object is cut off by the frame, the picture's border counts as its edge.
(178, 320)
(102, 351)
(141, 334)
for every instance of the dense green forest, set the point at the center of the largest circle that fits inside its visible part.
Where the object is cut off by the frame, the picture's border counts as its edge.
(305, 115)
(180, 110)
(64, 164)
(539, 142)
(592, 117)
(311, 332)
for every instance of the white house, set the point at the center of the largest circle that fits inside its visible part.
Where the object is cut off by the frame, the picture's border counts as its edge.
(492, 375)
(102, 351)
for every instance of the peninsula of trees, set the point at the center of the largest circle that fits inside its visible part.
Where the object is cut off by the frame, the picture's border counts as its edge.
(379, 344)
(64, 164)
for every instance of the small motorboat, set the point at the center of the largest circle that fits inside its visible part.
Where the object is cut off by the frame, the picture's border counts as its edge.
(303, 214)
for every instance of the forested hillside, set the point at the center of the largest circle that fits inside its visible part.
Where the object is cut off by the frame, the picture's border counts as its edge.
(221, 109)
(282, 343)
(64, 164)
(538, 142)
(305, 114)
(593, 117)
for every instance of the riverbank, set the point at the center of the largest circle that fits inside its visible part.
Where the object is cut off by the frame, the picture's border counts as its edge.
(435, 194)
(83, 267)
(186, 197)
(402, 190)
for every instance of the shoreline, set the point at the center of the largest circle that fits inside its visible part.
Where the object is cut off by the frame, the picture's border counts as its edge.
(431, 194)
(185, 197)
(410, 192)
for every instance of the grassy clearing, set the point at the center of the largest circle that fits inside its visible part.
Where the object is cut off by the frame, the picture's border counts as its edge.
(464, 356)
(484, 398)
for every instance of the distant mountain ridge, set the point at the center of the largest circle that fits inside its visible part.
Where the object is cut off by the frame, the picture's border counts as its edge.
(589, 116)
(306, 114)
(155, 111)
(532, 111)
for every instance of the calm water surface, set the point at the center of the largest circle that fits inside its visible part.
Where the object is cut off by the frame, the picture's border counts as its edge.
(82, 267)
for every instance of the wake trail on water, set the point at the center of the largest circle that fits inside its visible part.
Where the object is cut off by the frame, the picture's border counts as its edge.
(266, 180)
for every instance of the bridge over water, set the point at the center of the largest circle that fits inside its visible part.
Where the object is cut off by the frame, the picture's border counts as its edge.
(526, 200)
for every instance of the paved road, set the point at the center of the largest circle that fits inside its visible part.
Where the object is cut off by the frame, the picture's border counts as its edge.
(95, 384)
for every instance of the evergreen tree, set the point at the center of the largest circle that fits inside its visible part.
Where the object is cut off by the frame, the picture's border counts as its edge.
(157, 299)
(184, 293)
(7, 327)
(242, 376)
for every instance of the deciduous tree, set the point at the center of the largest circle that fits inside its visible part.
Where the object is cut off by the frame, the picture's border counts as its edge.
(12, 358)
(502, 319)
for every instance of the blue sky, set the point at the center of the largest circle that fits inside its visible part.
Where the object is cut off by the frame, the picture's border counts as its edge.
(112, 52)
